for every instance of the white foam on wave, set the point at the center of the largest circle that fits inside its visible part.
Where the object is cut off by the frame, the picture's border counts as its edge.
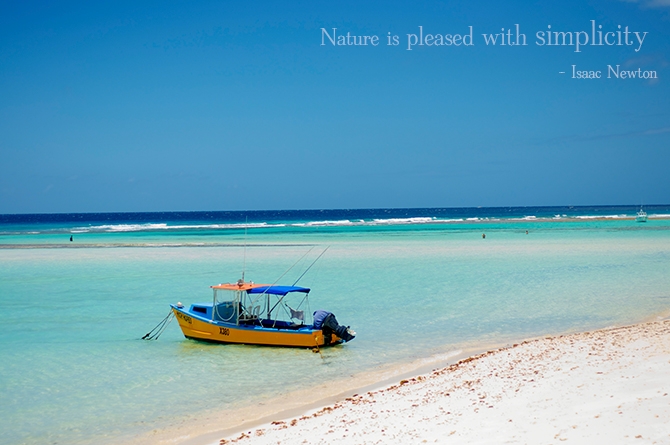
(392, 221)
(374, 222)
(119, 228)
(228, 226)
(163, 226)
(343, 222)
(601, 216)
(334, 223)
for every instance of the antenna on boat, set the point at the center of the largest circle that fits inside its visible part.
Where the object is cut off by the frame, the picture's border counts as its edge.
(310, 266)
(244, 263)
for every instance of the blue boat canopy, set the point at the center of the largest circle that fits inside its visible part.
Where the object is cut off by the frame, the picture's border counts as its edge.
(277, 290)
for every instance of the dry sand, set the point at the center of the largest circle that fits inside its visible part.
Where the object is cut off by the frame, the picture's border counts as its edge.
(605, 387)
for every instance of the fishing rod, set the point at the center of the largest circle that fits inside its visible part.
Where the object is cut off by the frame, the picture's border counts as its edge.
(310, 266)
(244, 264)
(277, 280)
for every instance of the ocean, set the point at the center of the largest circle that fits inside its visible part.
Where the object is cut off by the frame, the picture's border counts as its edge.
(413, 284)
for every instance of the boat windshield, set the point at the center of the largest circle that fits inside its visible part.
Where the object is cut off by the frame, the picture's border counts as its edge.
(226, 305)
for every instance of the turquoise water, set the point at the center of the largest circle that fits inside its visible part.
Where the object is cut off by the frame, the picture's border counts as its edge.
(74, 369)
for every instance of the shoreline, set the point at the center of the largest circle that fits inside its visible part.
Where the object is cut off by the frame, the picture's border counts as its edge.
(601, 374)
(220, 423)
(233, 424)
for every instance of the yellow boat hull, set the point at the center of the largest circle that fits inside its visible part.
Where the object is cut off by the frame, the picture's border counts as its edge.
(201, 329)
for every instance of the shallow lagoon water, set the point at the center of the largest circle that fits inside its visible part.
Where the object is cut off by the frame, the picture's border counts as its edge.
(74, 369)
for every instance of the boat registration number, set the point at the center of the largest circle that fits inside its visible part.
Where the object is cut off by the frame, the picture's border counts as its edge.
(186, 318)
(224, 331)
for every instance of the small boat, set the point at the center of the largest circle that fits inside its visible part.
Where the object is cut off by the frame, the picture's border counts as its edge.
(641, 216)
(260, 314)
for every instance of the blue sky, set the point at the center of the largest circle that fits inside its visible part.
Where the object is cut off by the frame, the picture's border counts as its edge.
(236, 105)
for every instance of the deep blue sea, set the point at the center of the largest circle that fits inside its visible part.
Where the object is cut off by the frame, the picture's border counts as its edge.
(413, 283)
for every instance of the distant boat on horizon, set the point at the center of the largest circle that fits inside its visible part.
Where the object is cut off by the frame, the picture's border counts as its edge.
(641, 216)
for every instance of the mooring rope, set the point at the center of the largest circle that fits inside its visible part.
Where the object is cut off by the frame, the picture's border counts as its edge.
(160, 327)
(316, 342)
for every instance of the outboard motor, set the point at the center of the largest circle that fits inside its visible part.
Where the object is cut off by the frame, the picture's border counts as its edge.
(327, 322)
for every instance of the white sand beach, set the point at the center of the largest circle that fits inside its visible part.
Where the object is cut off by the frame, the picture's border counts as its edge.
(602, 387)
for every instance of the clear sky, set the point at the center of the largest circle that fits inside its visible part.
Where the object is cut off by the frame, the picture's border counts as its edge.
(237, 105)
